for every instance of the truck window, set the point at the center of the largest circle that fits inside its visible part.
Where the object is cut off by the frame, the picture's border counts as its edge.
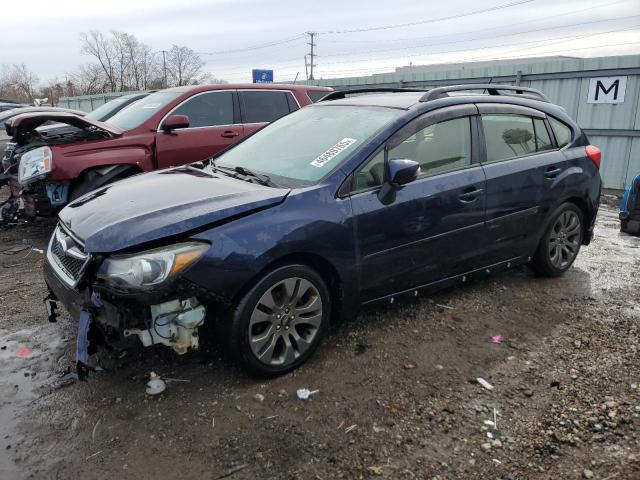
(208, 109)
(263, 106)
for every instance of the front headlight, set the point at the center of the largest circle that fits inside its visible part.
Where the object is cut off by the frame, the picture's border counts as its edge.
(34, 165)
(147, 269)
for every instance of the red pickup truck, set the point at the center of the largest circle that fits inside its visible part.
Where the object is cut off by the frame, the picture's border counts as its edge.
(167, 128)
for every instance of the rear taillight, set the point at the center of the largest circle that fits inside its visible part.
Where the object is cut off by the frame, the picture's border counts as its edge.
(594, 154)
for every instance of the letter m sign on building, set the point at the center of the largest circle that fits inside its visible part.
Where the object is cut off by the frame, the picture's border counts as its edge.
(607, 89)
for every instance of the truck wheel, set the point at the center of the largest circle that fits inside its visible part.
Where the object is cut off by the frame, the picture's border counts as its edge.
(560, 243)
(279, 322)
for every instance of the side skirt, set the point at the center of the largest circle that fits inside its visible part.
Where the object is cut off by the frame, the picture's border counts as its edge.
(462, 278)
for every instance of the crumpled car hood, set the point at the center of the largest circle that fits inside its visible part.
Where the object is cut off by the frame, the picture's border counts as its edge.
(152, 206)
(30, 121)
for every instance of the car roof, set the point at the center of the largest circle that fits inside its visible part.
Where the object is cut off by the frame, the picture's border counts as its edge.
(248, 86)
(408, 100)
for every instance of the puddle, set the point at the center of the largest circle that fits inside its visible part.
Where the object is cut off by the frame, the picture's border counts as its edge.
(28, 360)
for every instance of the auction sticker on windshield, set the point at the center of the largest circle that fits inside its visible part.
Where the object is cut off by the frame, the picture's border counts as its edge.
(333, 152)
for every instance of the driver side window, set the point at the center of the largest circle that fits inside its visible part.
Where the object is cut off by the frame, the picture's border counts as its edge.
(438, 148)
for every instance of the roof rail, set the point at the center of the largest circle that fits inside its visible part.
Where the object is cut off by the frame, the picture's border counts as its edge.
(492, 89)
(343, 93)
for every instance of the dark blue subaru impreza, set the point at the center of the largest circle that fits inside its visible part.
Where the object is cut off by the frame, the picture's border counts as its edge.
(356, 199)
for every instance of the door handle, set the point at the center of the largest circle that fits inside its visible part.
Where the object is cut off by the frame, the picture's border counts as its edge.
(469, 196)
(229, 134)
(552, 172)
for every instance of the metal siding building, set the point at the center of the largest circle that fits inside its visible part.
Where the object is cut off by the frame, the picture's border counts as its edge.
(615, 128)
(86, 103)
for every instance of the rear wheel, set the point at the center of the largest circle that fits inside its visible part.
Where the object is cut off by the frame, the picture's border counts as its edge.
(280, 321)
(561, 242)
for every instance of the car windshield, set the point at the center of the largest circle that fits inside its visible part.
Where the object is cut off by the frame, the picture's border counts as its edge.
(103, 112)
(303, 147)
(139, 112)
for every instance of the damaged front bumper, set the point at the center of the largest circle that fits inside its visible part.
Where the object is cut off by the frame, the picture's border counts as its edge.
(169, 316)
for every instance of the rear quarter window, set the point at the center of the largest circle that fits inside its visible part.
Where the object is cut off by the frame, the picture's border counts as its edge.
(316, 95)
(561, 131)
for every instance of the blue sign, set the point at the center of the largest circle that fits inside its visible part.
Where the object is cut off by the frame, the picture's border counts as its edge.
(262, 76)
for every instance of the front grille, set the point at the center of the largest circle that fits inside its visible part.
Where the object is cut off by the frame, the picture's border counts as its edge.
(67, 256)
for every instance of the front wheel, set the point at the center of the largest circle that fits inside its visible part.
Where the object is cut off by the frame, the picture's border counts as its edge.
(279, 322)
(560, 243)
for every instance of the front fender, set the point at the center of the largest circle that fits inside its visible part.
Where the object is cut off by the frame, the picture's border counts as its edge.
(244, 248)
(69, 165)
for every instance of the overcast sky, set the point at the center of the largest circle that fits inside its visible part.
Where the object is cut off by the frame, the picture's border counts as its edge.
(44, 34)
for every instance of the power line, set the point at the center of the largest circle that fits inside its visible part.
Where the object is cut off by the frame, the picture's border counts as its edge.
(433, 20)
(555, 41)
(255, 47)
(490, 58)
(511, 24)
(429, 45)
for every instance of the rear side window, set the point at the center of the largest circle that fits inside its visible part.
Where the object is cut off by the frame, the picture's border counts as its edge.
(316, 95)
(208, 109)
(508, 136)
(543, 140)
(561, 131)
(265, 106)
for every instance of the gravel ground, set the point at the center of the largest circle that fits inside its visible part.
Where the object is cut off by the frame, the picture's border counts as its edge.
(398, 395)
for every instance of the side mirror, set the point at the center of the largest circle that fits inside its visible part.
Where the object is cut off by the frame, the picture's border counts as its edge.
(401, 172)
(174, 122)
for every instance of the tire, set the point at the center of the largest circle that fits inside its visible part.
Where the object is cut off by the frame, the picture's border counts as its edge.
(561, 241)
(268, 333)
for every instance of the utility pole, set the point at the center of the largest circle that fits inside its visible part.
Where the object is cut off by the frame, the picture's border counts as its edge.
(164, 67)
(312, 55)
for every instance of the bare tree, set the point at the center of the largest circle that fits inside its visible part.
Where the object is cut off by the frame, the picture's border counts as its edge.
(101, 48)
(19, 83)
(184, 66)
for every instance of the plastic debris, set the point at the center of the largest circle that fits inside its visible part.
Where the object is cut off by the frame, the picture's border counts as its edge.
(484, 383)
(351, 428)
(155, 385)
(444, 306)
(496, 339)
(258, 397)
(305, 393)
(24, 352)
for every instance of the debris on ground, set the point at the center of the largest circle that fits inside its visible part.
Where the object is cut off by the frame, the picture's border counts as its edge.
(155, 385)
(496, 339)
(484, 383)
(305, 393)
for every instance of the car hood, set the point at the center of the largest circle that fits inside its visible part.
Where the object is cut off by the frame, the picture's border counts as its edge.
(152, 206)
(30, 121)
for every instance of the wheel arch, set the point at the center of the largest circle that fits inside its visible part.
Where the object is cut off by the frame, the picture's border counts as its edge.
(325, 269)
(97, 176)
(586, 216)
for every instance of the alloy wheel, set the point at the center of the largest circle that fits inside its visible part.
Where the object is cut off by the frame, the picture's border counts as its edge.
(564, 239)
(285, 321)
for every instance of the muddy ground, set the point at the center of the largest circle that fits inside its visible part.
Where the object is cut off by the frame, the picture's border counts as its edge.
(397, 391)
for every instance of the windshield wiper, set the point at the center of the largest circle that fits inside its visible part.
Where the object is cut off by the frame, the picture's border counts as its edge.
(260, 177)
